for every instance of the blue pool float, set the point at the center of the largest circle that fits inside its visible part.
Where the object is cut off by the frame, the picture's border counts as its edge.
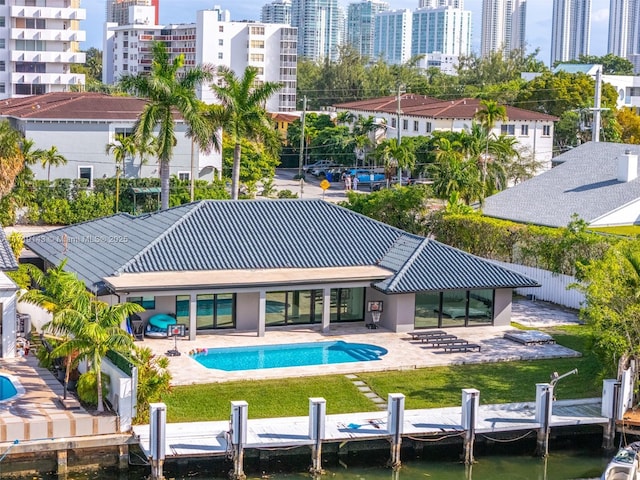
(158, 324)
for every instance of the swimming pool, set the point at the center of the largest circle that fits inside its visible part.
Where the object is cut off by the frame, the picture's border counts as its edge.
(288, 355)
(9, 388)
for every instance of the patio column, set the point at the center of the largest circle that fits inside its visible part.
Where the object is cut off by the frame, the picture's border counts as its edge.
(262, 313)
(326, 310)
(193, 313)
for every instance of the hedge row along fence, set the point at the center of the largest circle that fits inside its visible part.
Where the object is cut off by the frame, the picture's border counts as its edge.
(556, 249)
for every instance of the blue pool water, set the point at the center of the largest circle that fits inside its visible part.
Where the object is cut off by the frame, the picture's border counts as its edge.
(7, 388)
(289, 355)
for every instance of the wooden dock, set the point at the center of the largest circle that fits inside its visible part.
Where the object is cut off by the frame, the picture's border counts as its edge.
(210, 439)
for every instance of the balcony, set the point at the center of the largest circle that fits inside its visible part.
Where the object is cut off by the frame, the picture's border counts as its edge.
(48, 12)
(48, 35)
(48, 78)
(47, 57)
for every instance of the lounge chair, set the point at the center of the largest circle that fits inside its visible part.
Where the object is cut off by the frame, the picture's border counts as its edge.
(434, 341)
(420, 334)
(467, 347)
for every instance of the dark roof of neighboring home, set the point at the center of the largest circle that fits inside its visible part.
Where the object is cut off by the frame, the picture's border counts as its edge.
(255, 235)
(422, 106)
(7, 260)
(584, 183)
(73, 106)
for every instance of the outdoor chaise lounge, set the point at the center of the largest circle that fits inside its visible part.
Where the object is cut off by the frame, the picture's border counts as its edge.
(440, 342)
(465, 347)
(420, 334)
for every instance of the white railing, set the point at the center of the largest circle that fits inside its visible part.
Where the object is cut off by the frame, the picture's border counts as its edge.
(554, 286)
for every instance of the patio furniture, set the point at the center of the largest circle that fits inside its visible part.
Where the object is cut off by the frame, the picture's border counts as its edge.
(529, 337)
(420, 334)
(137, 327)
(439, 342)
(438, 339)
(467, 347)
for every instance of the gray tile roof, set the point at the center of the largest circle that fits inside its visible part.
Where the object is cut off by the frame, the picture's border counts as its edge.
(435, 266)
(247, 235)
(585, 183)
(7, 260)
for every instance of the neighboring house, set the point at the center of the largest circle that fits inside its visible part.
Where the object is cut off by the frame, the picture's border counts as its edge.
(250, 265)
(8, 299)
(81, 125)
(598, 181)
(282, 122)
(421, 115)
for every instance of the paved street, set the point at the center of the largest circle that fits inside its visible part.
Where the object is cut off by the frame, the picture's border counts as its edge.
(311, 187)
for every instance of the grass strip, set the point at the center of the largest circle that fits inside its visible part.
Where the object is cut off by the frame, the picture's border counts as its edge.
(434, 387)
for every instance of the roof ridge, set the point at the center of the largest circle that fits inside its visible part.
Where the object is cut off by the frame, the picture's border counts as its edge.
(157, 240)
(408, 262)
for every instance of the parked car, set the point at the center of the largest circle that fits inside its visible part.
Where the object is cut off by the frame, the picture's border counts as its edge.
(317, 165)
(366, 177)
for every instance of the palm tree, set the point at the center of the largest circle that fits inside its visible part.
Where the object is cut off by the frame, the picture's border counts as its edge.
(170, 90)
(65, 297)
(488, 116)
(51, 157)
(241, 113)
(395, 154)
(123, 147)
(99, 333)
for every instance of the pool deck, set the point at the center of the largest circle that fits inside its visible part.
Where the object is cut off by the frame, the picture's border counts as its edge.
(403, 352)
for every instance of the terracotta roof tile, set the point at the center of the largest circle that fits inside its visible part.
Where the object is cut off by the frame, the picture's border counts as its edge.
(73, 105)
(422, 106)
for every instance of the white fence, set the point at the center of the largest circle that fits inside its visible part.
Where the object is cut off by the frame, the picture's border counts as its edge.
(554, 286)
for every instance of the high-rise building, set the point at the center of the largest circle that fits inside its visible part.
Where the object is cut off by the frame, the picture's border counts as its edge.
(441, 29)
(392, 39)
(278, 11)
(624, 28)
(39, 44)
(571, 29)
(441, 3)
(503, 25)
(361, 24)
(319, 24)
(214, 40)
(118, 10)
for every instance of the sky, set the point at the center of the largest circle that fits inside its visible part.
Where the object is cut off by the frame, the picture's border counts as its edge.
(538, 31)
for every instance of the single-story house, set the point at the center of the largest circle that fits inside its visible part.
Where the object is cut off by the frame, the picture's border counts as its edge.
(254, 264)
(8, 296)
(421, 116)
(81, 125)
(598, 181)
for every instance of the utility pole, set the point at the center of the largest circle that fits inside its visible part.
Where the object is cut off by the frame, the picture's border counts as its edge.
(192, 175)
(302, 135)
(399, 111)
(595, 130)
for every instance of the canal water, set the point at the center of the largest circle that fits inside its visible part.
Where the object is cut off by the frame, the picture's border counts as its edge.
(581, 460)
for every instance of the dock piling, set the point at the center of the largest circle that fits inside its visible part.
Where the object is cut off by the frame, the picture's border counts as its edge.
(317, 419)
(157, 438)
(544, 399)
(239, 416)
(395, 421)
(610, 408)
(470, 404)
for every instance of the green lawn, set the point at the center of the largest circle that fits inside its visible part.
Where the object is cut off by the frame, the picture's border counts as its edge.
(423, 388)
(627, 230)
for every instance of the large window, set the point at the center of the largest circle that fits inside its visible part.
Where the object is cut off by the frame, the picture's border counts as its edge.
(213, 311)
(347, 304)
(456, 308)
(293, 307)
(148, 303)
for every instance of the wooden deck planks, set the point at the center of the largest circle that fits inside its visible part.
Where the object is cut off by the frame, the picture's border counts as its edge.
(209, 438)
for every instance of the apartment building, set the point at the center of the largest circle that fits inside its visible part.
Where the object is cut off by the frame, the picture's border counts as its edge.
(503, 25)
(39, 42)
(571, 29)
(278, 11)
(361, 24)
(215, 40)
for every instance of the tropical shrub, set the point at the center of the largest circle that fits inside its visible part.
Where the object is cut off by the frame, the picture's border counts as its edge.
(88, 387)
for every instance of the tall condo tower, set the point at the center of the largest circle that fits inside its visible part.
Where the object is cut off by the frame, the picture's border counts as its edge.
(320, 24)
(39, 43)
(361, 24)
(118, 10)
(503, 25)
(278, 11)
(571, 29)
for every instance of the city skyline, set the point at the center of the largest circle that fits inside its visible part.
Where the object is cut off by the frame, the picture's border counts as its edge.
(538, 28)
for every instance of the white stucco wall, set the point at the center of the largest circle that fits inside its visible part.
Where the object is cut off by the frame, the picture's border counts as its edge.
(502, 307)
(626, 215)
(8, 294)
(247, 305)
